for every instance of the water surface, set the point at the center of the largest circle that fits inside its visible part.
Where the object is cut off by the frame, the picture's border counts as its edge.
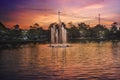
(81, 61)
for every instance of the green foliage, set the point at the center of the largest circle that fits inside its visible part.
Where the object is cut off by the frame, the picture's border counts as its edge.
(99, 31)
(2, 26)
(73, 32)
(114, 32)
(36, 32)
(83, 30)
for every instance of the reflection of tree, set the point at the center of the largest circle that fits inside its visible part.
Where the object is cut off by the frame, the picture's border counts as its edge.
(114, 44)
(115, 48)
(99, 51)
(116, 53)
(31, 54)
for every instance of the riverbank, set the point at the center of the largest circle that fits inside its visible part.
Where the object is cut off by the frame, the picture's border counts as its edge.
(92, 40)
(47, 41)
(13, 44)
(22, 41)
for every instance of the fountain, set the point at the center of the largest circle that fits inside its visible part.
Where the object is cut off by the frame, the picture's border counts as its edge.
(58, 34)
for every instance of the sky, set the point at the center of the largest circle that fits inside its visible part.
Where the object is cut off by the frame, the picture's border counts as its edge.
(28, 12)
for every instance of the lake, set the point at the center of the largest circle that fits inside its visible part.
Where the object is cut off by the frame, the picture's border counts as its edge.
(80, 61)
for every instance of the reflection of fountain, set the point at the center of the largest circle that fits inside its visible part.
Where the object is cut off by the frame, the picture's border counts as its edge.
(58, 34)
(59, 61)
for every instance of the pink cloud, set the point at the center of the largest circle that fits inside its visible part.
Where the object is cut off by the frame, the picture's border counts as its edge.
(45, 11)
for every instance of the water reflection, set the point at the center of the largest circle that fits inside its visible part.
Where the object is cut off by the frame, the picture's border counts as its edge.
(58, 60)
(116, 54)
(82, 61)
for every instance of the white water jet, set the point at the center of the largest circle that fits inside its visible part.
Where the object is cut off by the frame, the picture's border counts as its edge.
(58, 34)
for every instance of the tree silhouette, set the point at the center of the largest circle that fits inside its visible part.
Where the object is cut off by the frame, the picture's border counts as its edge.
(83, 30)
(114, 31)
(99, 31)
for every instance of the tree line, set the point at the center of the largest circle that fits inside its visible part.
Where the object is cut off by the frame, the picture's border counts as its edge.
(97, 32)
(16, 34)
(81, 31)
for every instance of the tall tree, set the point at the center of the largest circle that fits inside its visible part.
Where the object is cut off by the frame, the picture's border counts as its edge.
(100, 31)
(83, 30)
(114, 30)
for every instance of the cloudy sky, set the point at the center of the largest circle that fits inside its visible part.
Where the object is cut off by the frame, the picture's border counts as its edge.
(44, 12)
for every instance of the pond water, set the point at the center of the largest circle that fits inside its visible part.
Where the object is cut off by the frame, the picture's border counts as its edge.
(81, 61)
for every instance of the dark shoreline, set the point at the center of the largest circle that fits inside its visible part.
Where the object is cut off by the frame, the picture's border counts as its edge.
(46, 42)
(93, 40)
(13, 44)
(21, 41)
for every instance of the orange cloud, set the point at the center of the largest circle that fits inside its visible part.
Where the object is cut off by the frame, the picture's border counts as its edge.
(44, 12)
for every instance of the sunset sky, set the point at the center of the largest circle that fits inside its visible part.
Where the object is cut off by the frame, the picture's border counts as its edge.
(44, 12)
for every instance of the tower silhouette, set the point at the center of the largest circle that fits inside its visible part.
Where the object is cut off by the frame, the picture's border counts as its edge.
(99, 18)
